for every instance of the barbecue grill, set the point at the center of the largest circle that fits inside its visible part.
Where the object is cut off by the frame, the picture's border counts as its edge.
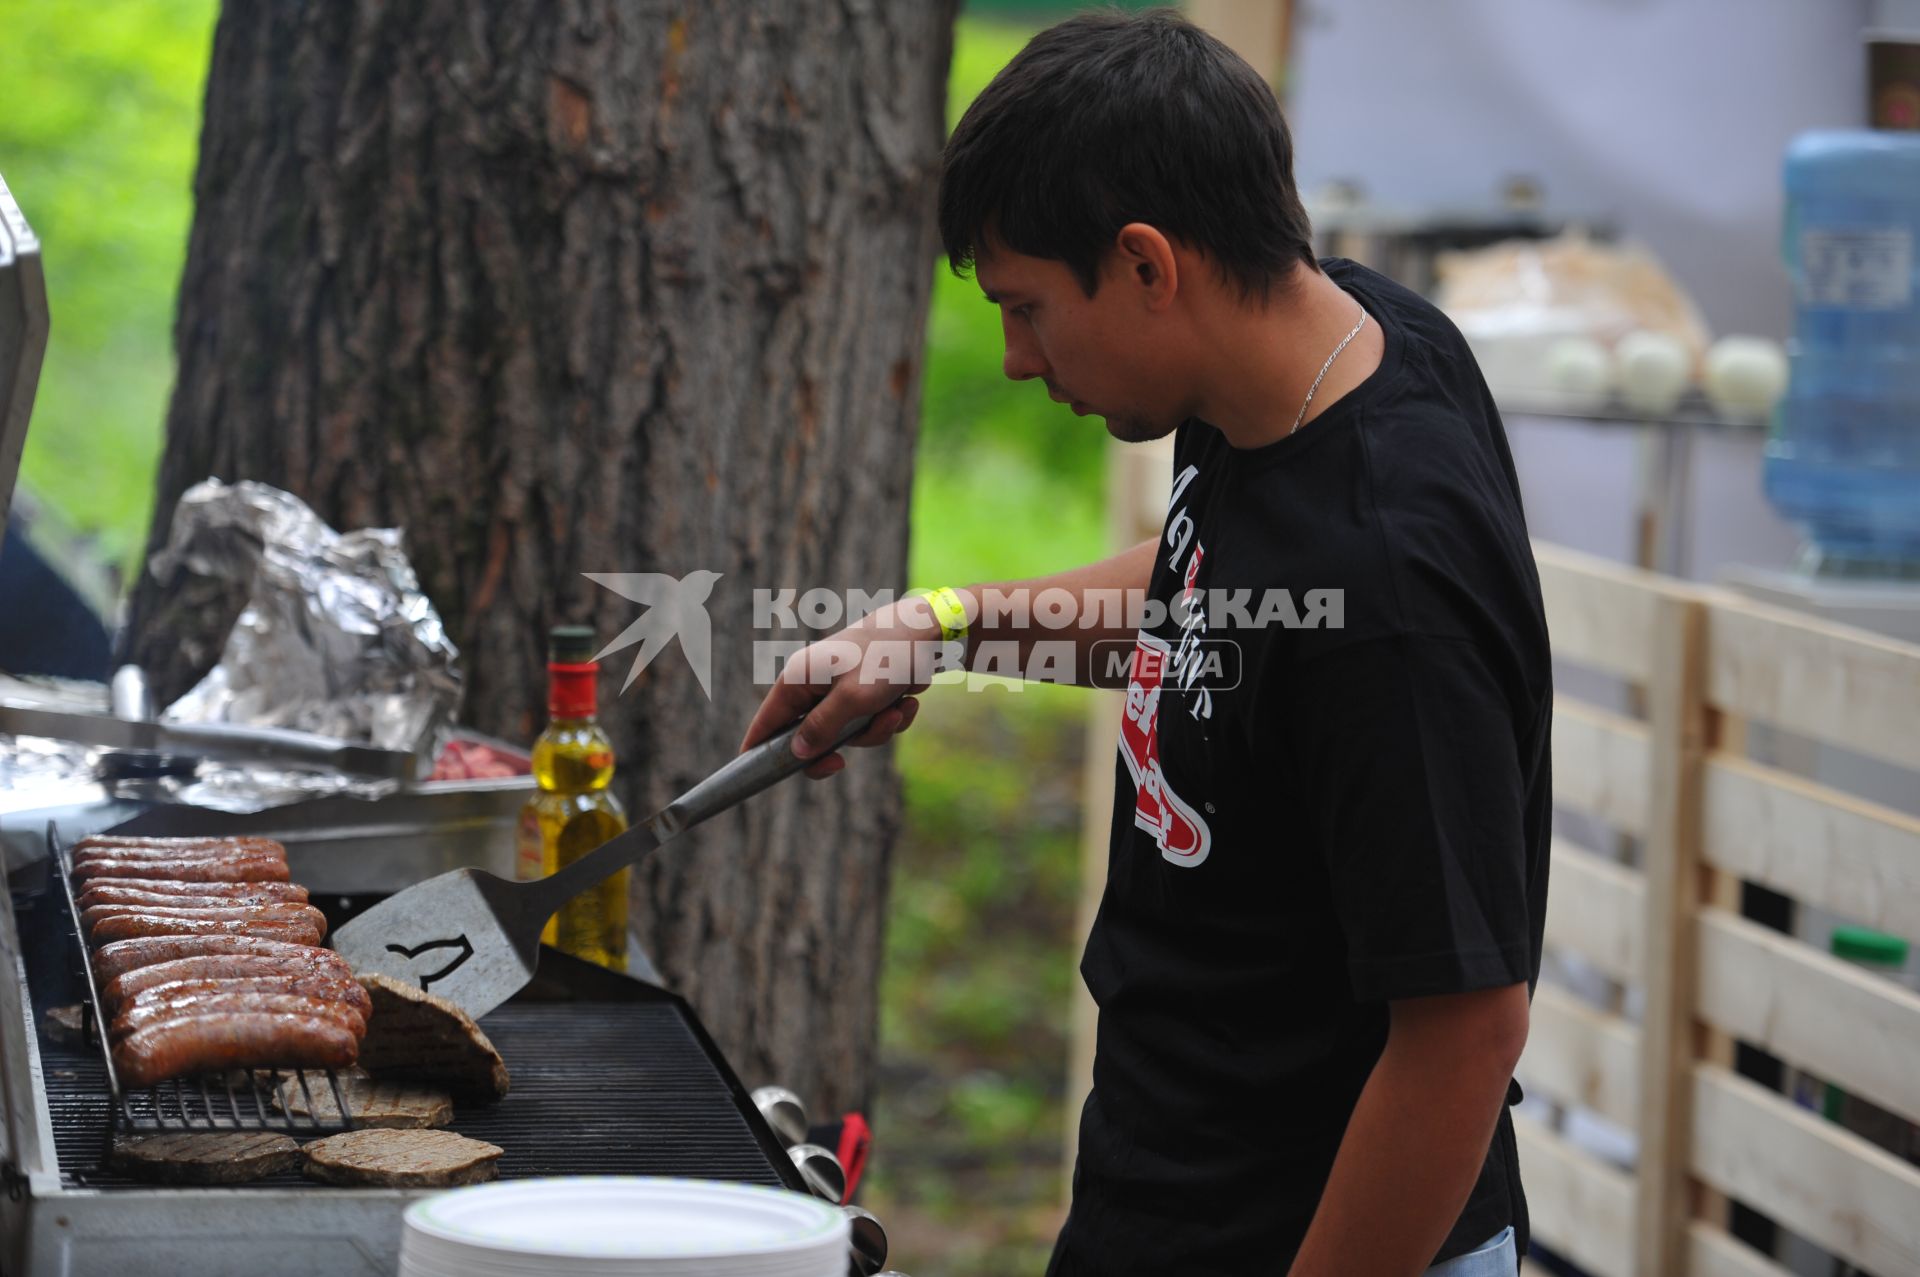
(611, 1076)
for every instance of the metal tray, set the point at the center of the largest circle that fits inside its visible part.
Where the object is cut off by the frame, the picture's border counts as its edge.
(341, 845)
(232, 742)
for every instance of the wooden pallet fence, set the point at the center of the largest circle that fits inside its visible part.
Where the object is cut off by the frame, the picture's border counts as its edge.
(1704, 816)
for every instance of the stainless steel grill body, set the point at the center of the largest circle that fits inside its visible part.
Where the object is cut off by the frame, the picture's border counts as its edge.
(23, 339)
(610, 1076)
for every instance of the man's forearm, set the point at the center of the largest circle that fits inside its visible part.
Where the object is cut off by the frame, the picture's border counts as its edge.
(1412, 1151)
(871, 667)
(1018, 624)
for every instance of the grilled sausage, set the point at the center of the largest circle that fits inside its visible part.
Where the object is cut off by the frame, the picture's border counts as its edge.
(128, 926)
(231, 1040)
(130, 901)
(249, 867)
(323, 984)
(209, 856)
(295, 964)
(142, 842)
(209, 851)
(109, 891)
(142, 1012)
(93, 915)
(120, 957)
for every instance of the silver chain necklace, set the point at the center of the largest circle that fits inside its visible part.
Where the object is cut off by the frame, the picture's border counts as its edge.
(1302, 414)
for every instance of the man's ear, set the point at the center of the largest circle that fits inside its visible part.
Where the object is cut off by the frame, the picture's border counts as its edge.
(1146, 258)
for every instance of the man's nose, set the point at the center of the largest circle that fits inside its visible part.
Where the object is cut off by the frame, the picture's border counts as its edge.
(1023, 361)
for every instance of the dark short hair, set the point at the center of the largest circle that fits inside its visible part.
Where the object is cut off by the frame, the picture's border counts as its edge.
(1110, 118)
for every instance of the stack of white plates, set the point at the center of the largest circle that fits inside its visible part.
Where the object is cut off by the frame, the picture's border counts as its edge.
(622, 1227)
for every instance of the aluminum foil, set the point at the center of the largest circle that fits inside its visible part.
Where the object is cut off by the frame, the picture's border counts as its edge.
(32, 767)
(230, 787)
(336, 637)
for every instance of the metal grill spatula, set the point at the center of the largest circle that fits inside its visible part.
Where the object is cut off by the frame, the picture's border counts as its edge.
(474, 938)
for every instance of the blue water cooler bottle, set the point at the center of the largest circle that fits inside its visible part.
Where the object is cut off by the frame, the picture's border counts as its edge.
(1843, 461)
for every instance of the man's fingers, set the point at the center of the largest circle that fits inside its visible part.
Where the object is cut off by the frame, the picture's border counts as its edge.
(886, 725)
(784, 703)
(817, 682)
(826, 767)
(823, 725)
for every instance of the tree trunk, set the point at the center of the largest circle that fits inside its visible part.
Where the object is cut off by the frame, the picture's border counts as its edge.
(614, 286)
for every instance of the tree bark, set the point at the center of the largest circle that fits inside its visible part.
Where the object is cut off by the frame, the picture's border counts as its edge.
(615, 286)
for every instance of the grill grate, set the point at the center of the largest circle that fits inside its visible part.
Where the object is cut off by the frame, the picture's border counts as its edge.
(599, 1088)
(236, 1101)
(609, 1086)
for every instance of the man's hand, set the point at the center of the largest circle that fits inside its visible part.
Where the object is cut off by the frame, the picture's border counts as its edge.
(1418, 1136)
(837, 680)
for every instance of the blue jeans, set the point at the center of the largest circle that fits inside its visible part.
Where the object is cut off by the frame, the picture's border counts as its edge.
(1493, 1258)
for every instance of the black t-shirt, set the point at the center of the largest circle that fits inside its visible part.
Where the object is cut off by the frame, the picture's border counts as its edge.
(1344, 805)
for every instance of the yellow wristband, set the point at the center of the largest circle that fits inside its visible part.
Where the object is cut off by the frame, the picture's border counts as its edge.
(949, 612)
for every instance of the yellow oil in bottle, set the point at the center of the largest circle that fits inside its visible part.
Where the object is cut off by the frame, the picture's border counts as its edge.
(575, 812)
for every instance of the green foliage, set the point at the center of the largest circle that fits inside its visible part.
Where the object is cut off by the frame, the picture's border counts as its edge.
(989, 871)
(977, 981)
(1009, 483)
(97, 140)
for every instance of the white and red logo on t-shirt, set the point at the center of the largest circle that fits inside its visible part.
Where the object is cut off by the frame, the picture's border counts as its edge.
(1183, 837)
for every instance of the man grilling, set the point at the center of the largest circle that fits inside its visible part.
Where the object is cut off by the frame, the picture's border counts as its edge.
(1323, 912)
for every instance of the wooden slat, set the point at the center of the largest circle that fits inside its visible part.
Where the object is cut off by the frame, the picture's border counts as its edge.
(1844, 1024)
(1579, 1055)
(1600, 764)
(1814, 843)
(1834, 683)
(1723, 891)
(1599, 613)
(1579, 1205)
(1711, 1253)
(1820, 1181)
(1594, 909)
(1677, 730)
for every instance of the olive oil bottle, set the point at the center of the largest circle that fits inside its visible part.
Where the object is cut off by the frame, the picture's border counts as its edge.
(575, 812)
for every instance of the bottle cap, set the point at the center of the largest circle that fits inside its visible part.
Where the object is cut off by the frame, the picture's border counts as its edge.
(1863, 944)
(570, 645)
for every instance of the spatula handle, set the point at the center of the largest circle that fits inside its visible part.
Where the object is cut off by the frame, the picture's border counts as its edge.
(761, 767)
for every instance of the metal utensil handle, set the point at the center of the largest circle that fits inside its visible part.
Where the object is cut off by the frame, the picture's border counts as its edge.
(760, 768)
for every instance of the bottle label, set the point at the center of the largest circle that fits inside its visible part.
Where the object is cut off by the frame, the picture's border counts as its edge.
(1866, 269)
(529, 859)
